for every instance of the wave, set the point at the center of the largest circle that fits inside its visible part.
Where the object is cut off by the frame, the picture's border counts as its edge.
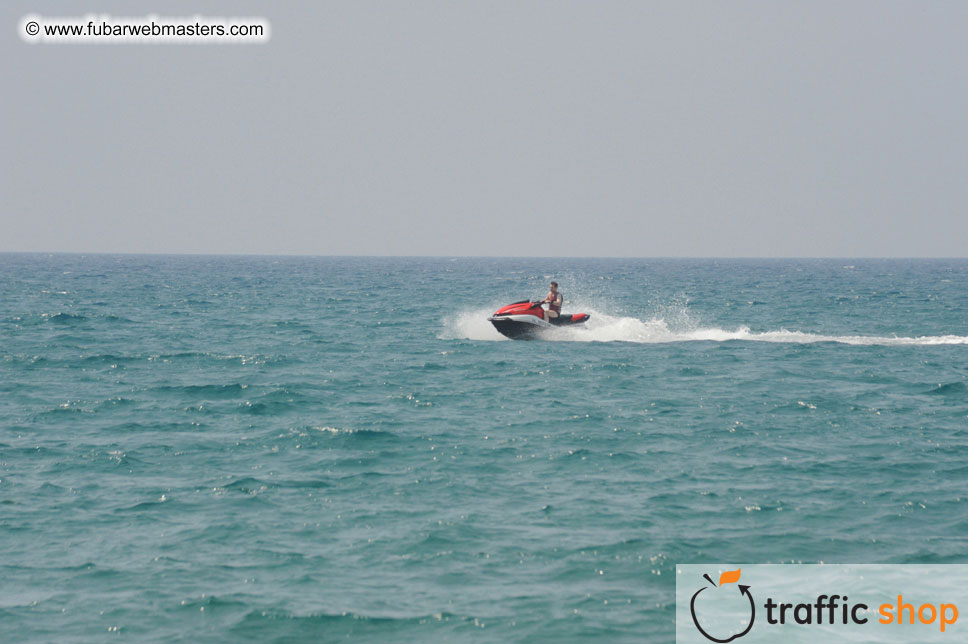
(233, 390)
(360, 434)
(266, 625)
(63, 318)
(959, 389)
(674, 325)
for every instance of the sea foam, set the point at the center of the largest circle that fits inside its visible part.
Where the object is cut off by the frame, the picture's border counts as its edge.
(673, 325)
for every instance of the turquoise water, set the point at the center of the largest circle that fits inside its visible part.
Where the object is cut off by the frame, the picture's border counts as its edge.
(258, 449)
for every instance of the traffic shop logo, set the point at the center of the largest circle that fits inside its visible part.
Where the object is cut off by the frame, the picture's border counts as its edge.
(741, 605)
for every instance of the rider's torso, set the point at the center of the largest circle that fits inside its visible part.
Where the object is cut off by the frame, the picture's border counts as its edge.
(556, 298)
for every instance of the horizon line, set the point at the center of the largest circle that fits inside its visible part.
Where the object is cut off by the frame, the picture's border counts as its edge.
(556, 257)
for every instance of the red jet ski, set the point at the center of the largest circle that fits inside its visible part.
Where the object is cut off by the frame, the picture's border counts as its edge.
(525, 320)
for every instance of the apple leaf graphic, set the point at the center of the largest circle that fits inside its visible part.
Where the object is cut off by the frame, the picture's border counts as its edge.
(729, 577)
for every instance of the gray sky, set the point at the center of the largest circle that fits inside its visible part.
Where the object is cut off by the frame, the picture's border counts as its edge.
(496, 128)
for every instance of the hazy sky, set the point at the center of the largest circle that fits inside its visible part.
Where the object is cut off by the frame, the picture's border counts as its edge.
(496, 128)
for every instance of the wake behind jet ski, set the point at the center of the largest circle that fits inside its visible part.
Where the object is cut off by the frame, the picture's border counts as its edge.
(526, 320)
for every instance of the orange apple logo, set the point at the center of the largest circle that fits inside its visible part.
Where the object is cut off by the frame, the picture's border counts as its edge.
(728, 577)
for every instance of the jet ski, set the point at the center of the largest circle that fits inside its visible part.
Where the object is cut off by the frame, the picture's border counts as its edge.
(525, 320)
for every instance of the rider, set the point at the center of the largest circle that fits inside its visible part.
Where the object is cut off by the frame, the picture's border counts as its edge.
(554, 300)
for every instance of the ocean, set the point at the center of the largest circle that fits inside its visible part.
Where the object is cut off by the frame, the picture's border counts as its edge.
(301, 449)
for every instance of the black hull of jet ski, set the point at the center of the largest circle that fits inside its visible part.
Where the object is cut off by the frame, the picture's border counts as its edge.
(529, 327)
